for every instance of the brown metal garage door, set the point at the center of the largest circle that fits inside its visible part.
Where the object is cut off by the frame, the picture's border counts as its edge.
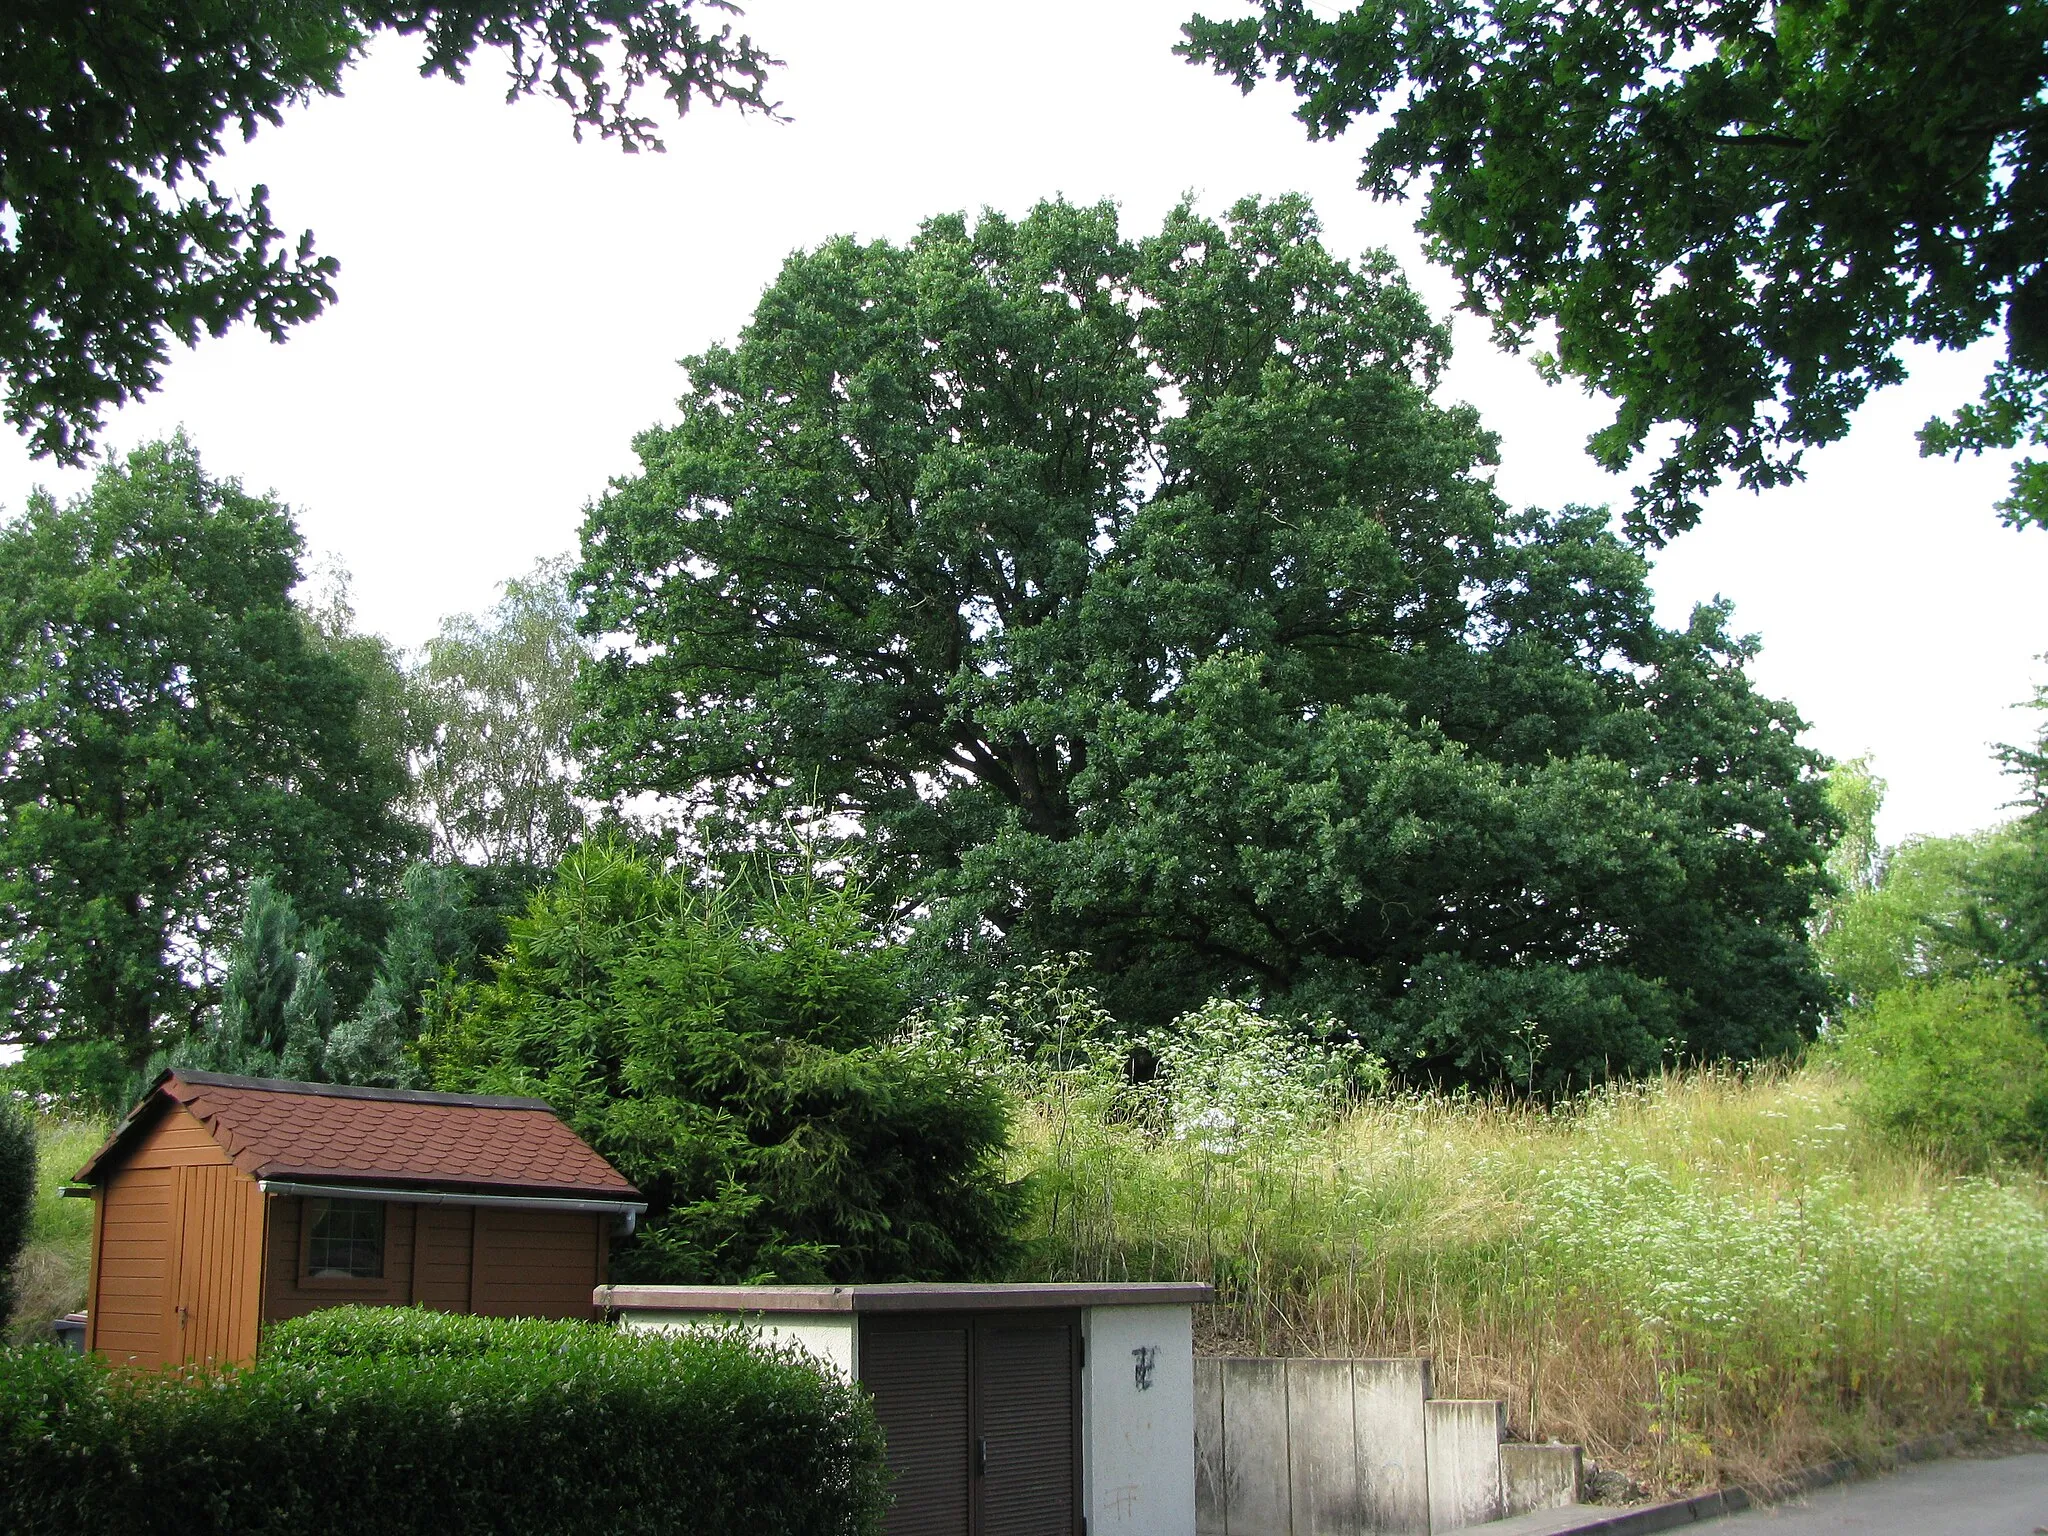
(982, 1416)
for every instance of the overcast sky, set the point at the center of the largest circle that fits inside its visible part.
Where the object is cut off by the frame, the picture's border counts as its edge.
(513, 305)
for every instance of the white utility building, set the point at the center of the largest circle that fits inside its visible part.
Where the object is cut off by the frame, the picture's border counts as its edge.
(1039, 1410)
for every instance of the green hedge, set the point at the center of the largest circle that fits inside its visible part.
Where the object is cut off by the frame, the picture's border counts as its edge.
(360, 1420)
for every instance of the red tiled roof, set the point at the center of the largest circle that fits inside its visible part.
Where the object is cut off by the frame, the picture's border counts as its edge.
(326, 1132)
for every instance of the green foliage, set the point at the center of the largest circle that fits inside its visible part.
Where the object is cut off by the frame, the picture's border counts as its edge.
(1901, 925)
(279, 1016)
(446, 924)
(1226, 1074)
(50, 1275)
(1735, 214)
(1223, 1075)
(1959, 1066)
(734, 1051)
(1939, 949)
(276, 1000)
(116, 241)
(1135, 596)
(356, 1421)
(169, 733)
(1938, 907)
(79, 1078)
(17, 1193)
(2009, 922)
(498, 779)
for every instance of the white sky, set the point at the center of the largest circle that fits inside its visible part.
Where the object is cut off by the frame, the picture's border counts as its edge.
(513, 304)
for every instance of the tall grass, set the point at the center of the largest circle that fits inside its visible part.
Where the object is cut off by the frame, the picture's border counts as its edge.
(50, 1275)
(1707, 1276)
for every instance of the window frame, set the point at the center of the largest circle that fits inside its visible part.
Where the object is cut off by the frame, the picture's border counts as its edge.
(358, 1284)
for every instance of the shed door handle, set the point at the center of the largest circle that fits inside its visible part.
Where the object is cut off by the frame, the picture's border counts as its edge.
(981, 1458)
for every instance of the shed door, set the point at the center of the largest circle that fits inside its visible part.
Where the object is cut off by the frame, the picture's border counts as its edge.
(218, 1267)
(1027, 1410)
(982, 1420)
(919, 1380)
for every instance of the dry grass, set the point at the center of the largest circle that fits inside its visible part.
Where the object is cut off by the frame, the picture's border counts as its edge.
(50, 1275)
(1710, 1277)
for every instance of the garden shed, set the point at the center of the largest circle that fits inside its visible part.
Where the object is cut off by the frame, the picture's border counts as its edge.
(224, 1203)
(1010, 1410)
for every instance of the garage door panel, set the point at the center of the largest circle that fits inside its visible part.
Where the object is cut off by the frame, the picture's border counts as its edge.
(919, 1378)
(1026, 1389)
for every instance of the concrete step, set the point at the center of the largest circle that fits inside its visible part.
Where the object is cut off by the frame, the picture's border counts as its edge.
(1290, 1447)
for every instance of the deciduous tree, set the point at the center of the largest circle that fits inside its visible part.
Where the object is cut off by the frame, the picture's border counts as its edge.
(114, 241)
(496, 698)
(1137, 597)
(1735, 213)
(169, 732)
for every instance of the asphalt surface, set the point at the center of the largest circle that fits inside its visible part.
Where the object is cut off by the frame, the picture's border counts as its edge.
(1966, 1496)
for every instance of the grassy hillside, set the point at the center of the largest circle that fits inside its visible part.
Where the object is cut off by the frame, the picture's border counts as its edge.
(1705, 1277)
(51, 1271)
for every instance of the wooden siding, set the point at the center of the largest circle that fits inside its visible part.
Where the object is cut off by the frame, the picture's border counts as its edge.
(286, 1291)
(535, 1263)
(190, 1258)
(178, 1241)
(177, 1140)
(442, 1281)
(219, 1269)
(449, 1258)
(129, 1308)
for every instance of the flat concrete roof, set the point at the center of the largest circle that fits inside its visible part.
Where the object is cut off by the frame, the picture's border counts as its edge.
(898, 1298)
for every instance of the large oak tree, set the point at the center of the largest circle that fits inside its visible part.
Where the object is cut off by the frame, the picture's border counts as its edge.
(1137, 596)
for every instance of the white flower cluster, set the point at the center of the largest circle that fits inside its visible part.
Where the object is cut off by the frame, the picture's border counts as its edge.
(1228, 1076)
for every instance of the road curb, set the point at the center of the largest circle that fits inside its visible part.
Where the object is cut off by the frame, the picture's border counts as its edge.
(1722, 1501)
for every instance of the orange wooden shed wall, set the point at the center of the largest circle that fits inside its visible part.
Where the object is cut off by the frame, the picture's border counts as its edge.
(190, 1258)
(177, 1254)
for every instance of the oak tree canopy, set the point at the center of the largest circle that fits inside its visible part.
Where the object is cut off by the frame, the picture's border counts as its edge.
(1138, 596)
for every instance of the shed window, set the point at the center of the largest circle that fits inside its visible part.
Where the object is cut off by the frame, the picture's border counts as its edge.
(344, 1240)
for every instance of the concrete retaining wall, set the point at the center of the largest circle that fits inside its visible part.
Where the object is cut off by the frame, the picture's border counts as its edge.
(1357, 1448)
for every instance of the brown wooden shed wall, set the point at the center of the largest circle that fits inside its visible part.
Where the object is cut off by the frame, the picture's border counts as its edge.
(130, 1295)
(450, 1258)
(538, 1263)
(190, 1258)
(177, 1254)
(286, 1293)
(441, 1278)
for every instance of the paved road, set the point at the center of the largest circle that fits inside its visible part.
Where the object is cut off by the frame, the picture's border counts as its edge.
(1997, 1496)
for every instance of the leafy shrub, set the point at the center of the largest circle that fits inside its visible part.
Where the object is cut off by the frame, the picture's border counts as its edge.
(1956, 1065)
(395, 1423)
(738, 1053)
(17, 1193)
(1228, 1075)
(1219, 1077)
